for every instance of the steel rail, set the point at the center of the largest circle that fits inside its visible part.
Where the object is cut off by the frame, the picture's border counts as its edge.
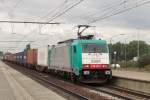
(123, 93)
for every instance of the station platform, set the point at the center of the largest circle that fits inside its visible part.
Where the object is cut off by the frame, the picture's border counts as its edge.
(138, 81)
(141, 76)
(16, 86)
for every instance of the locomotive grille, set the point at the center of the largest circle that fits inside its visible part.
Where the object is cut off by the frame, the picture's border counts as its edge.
(96, 74)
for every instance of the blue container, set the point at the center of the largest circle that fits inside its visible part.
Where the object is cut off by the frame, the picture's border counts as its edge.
(21, 57)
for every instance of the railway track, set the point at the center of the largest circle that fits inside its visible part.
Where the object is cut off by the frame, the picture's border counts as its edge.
(130, 94)
(121, 93)
(79, 92)
(85, 92)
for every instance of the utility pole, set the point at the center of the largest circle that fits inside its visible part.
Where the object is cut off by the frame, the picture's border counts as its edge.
(115, 58)
(125, 54)
(115, 36)
(138, 44)
(111, 38)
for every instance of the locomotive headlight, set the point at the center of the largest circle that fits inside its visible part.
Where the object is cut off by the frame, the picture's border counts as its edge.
(107, 72)
(86, 72)
(86, 66)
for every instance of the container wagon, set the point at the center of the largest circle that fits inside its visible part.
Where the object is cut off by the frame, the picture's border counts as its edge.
(13, 58)
(31, 58)
(8, 56)
(42, 58)
(20, 57)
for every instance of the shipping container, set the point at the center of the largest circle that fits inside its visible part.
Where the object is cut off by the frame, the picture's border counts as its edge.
(42, 58)
(13, 58)
(5, 56)
(32, 57)
(21, 57)
(9, 57)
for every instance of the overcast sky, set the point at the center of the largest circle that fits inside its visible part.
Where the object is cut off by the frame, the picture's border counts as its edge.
(131, 23)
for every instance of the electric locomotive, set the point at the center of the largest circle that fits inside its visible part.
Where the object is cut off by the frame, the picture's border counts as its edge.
(84, 59)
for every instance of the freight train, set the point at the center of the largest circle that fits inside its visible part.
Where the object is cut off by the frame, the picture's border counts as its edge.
(85, 59)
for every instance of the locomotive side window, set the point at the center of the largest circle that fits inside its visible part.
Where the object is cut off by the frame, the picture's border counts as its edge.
(74, 49)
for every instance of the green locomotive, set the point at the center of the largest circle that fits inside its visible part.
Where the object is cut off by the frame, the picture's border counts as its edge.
(83, 60)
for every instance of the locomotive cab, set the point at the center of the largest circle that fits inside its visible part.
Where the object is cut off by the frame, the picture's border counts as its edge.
(90, 61)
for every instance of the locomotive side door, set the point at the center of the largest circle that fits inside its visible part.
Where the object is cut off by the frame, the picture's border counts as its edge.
(74, 59)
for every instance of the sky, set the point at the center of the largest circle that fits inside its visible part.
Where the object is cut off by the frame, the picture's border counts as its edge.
(124, 27)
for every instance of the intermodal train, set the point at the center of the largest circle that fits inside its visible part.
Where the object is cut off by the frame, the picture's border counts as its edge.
(84, 60)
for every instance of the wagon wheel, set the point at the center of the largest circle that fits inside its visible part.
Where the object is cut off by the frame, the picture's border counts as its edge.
(73, 78)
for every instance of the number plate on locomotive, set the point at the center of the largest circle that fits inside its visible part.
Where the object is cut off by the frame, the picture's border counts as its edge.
(95, 61)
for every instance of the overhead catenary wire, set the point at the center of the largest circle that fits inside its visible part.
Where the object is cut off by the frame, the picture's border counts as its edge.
(110, 8)
(51, 12)
(60, 6)
(106, 7)
(16, 41)
(118, 4)
(15, 6)
(28, 22)
(66, 10)
(114, 12)
(119, 11)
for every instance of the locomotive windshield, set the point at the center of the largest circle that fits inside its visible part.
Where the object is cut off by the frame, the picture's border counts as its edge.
(94, 48)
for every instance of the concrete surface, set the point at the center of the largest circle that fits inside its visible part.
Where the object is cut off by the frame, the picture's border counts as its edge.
(16, 86)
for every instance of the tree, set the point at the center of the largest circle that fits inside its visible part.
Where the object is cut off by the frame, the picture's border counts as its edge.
(144, 60)
(130, 49)
(1, 54)
(118, 48)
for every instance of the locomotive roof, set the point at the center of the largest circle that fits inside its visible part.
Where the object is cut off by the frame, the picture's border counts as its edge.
(83, 41)
(91, 41)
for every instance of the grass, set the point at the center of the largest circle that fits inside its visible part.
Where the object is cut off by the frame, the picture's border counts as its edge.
(134, 69)
(133, 66)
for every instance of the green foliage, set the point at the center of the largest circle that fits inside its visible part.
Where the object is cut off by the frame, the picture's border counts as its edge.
(118, 47)
(133, 46)
(144, 60)
(147, 67)
(1, 53)
(130, 50)
(127, 64)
